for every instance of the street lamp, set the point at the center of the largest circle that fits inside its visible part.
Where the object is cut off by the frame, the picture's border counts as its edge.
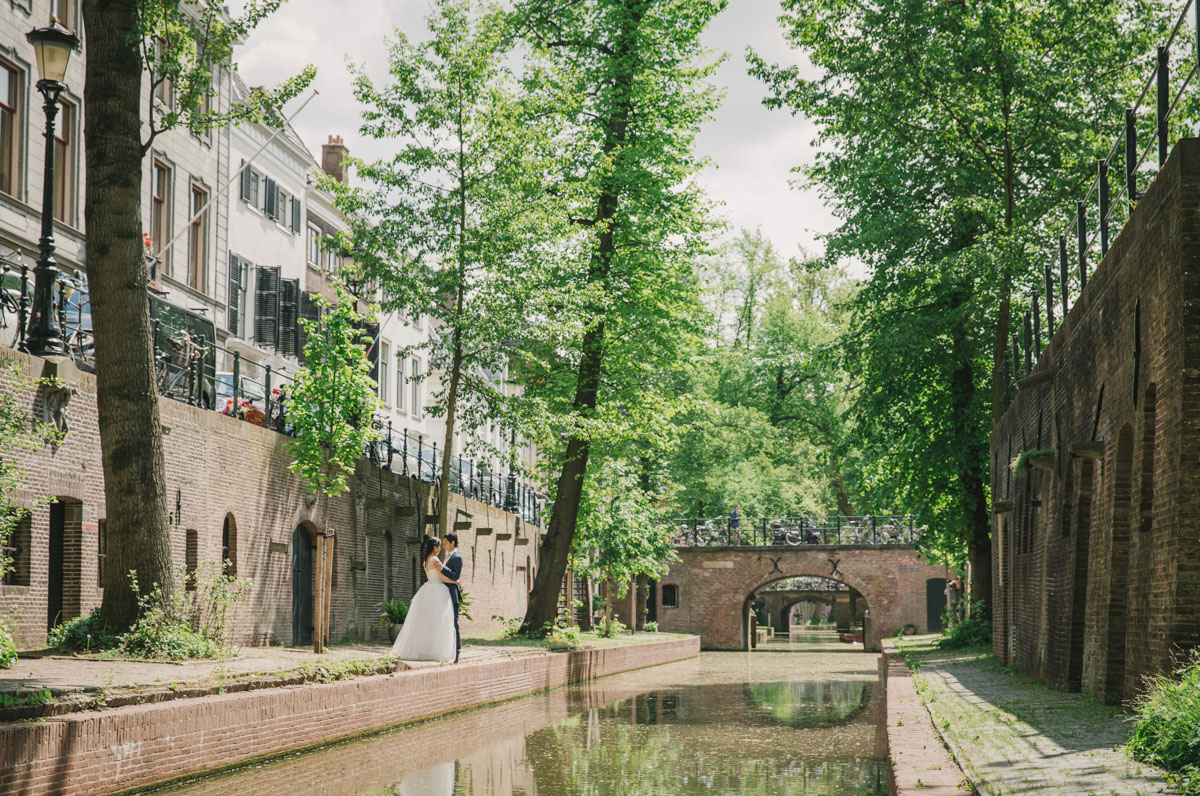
(53, 45)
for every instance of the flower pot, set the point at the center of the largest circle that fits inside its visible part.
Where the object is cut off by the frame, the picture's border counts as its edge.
(394, 631)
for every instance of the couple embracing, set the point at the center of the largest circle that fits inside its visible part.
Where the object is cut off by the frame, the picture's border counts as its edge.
(430, 631)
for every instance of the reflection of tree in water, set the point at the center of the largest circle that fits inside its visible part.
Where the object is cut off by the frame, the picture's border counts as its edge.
(614, 750)
(809, 704)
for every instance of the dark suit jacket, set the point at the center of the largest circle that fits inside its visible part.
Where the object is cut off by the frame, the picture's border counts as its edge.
(453, 569)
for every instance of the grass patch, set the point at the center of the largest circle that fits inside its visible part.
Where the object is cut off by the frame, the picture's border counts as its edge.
(1166, 732)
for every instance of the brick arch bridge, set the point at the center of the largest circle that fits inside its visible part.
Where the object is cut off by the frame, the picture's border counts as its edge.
(713, 587)
(778, 604)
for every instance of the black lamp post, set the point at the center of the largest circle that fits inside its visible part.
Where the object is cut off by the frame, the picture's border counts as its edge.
(53, 45)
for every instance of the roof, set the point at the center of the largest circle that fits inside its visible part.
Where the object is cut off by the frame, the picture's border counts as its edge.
(289, 132)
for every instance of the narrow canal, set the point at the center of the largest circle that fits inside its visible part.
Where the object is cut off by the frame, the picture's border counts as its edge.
(794, 717)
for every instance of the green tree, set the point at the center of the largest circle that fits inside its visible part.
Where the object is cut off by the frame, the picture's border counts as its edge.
(618, 537)
(457, 224)
(331, 405)
(631, 89)
(182, 41)
(952, 136)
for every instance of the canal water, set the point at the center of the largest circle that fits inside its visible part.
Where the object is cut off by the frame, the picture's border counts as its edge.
(794, 717)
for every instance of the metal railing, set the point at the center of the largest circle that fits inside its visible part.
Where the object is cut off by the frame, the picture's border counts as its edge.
(838, 530)
(1099, 212)
(186, 370)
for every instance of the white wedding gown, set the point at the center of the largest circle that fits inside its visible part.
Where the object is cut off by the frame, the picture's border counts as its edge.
(428, 632)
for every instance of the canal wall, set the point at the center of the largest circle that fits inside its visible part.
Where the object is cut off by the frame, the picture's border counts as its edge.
(231, 496)
(1096, 547)
(141, 745)
(920, 763)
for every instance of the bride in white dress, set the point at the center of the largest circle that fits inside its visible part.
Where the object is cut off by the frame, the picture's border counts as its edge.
(428, 632)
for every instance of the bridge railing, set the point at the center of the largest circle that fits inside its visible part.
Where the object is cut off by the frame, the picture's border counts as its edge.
(866, 530)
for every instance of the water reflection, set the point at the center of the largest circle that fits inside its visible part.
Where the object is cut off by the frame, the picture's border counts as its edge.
(724, 723)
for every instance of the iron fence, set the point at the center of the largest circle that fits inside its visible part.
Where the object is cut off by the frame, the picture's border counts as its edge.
(1100, 211)
(186, 370)
(839, 530)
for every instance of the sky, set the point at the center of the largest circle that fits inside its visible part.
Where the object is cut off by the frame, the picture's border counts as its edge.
(753, 150)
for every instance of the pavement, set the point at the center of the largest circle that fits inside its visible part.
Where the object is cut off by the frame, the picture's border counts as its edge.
(1012, 734)
(77, 682)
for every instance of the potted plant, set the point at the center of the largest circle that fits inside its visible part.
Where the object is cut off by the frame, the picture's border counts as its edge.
(391, 616)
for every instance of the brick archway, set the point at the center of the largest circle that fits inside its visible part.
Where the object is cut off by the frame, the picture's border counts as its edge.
(714, 586)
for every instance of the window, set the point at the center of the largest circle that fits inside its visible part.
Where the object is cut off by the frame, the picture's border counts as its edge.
(385, 355)
(670, 596)
(400, 384)
(64, 164)
(331, 259)
(314, 246)
(198, 240)
(10, 128)
(160, 212)
(101, 551)
(229, 546)
(282, 210)
(18, 549)
(164, 92)
(64, 12)
(415, 384)
(192, 560)
(255, 181)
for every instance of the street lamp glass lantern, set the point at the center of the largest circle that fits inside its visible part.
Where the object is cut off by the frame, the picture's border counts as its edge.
(53, 45)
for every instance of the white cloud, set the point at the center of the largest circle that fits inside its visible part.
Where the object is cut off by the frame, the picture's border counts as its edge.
(753, 149)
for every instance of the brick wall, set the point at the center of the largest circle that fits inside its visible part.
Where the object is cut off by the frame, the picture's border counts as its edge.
(714, 586)
(1098, 585)
(221, 470)
(139, 745)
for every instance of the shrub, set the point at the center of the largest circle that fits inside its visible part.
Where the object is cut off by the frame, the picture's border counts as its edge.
(966, 633)
(83, 634)
(8, 650)
(1167, 727)
(510, 628)
(564, 635)
(180, 627)
(650, 627)
(392, 612)
(612, 629)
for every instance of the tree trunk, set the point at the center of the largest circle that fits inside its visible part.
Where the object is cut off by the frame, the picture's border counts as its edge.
(131, 442)
(839, 488)
(451, 409)
(610, 594)
(979, 545)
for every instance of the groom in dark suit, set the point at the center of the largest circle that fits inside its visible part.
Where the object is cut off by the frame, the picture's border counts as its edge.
(452, 564)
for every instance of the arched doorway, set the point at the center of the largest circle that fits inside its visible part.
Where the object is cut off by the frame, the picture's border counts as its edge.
(302, 586)
(935, 603)
(229, 546)
(64, 556)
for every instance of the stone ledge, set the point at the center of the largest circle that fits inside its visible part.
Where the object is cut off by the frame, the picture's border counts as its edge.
(920, 763)
(138, 745)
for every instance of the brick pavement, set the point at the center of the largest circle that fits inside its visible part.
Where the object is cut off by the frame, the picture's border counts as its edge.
(1014, 735)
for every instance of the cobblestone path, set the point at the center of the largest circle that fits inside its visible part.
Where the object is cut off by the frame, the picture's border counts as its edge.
(1014, 735)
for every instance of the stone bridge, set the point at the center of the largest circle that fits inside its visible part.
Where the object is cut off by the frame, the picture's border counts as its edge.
(709, 590)
(846, 605)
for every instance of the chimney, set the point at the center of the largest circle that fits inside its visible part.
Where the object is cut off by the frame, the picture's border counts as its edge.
(333, 157)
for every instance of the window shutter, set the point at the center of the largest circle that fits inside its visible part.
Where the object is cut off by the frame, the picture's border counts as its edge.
(309, 311)
(372, 330)
(233, 313)
(289, 299)
(271, 200)
(247, 183)
(296, 225)
(266, 307)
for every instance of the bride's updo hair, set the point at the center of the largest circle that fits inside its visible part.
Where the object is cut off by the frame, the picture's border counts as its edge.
(427, 548)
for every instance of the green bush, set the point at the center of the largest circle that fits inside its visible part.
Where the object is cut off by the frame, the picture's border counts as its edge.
(1167, 730)
(568, 635)
(967, 633)
(612, 630)
(185, 625)
(392, 612)
(83, 634)
(650, 627)
(8, 650)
